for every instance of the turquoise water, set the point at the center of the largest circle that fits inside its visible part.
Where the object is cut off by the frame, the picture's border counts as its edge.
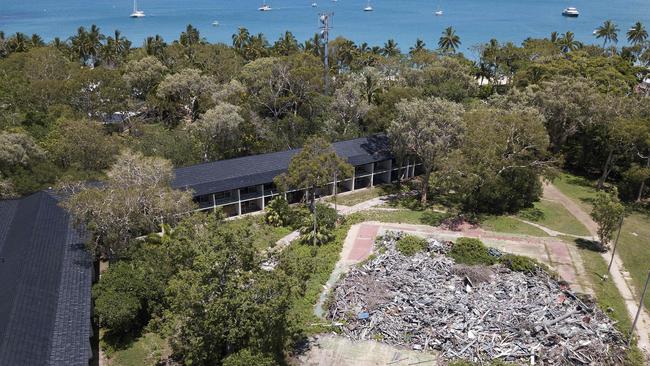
(476, 21)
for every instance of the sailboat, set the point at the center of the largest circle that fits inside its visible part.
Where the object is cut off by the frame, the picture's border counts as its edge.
(136, 13)
(264, 7)
(439, 11)
(368, 7)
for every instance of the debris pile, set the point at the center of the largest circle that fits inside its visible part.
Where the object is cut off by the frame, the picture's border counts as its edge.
(427, 302)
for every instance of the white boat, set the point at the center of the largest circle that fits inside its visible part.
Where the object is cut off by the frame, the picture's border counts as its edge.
(368, 7)
(438, 12)
(136, 13)
(570, 12)
(215, 23)
(264, 7)
(314, 4)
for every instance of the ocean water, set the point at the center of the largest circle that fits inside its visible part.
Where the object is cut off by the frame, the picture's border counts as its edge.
(475, 21)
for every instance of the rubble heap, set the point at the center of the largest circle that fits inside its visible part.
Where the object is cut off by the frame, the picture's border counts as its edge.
(427, 302)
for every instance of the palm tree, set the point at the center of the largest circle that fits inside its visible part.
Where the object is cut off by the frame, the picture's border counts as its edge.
(286, 45)
(418, 47)
(554, 37)
(116, 49)
(637, 34)
(568, 43)
(256, 48)
(241, 39)
(449, 41)
(314, 46)
(18, 42)
(608, 32)
(36, 41)
(190, 37)
(390, 48)
(155, 46)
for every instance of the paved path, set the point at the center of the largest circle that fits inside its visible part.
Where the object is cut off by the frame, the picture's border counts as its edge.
(618, 275)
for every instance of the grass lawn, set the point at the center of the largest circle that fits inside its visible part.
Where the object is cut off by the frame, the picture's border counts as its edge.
(634, 244)
(354, 198)
(609, 299)
(506, 224)
(555, 217)
(146, 350)
(579, 189)
(264, 235)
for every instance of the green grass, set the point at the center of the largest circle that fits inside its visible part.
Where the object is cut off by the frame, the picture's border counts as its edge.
(609, 299)
(555, 217)
(634, 250)
(264, 235)
(507, 224)
(354, 198)
(580, 190)
(146, 350)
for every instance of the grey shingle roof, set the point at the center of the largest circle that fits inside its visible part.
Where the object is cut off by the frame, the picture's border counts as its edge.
(45, 278)
(229, 174)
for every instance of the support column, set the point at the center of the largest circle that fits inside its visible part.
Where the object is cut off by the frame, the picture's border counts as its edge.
(263, 197)
(238, 202)
(372, 175)
(214, 203)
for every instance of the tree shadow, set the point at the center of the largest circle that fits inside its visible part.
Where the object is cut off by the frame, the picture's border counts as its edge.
(592, 245)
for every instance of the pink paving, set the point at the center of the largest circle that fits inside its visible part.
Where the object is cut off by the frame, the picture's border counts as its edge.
(363, 242)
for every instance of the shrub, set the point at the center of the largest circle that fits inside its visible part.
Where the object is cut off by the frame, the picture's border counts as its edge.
(433, 218)
(471, 251)
(409, 245)
(278, 212)
(532, 214)
(519, 263)
(326, 218)
(245, 358)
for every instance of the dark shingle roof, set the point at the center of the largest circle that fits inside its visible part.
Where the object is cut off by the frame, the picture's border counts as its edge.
(45, 279)
(229, 174)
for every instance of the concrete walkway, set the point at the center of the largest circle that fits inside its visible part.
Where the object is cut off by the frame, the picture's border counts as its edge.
(618, 275)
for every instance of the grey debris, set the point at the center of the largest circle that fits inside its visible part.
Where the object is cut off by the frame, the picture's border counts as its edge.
(423, 302)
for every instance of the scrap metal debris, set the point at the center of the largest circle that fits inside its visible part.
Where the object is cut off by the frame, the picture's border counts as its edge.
(427, 302)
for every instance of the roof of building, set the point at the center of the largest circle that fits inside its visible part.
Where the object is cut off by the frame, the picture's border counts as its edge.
(224, 175)
(45, 282)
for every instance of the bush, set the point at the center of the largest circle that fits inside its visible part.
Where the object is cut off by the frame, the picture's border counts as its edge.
(532, 214)
(278, 212)
(246, 358)
(326, 218)
(519, 263)
(409, 245)
(433, 218)
(471, 251)
(119, 298)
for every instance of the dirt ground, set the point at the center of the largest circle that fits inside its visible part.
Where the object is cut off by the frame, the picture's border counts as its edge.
(330, 349)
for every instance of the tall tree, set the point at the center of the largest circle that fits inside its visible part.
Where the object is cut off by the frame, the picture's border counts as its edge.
(116, 50)
(313, 168)
(219, 130)
(390, 48)
(431, 129)
(449, 41)
(608, 32)
(417, 47)
(183, 92)
(607, 213)
(155, 46)
(637, 34)
(241, 39)
(135, 200)
(568, 43)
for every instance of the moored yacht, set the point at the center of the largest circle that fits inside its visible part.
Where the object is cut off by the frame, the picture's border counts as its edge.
(570, 12)
(264, 7)
(368, 7)
(438, 12)
(136, 13)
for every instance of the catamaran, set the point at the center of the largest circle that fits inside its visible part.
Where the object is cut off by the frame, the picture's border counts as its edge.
(136, 13)
(368, 7)
(264, 7)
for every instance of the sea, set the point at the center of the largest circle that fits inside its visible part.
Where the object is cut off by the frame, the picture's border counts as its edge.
(475, 21)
